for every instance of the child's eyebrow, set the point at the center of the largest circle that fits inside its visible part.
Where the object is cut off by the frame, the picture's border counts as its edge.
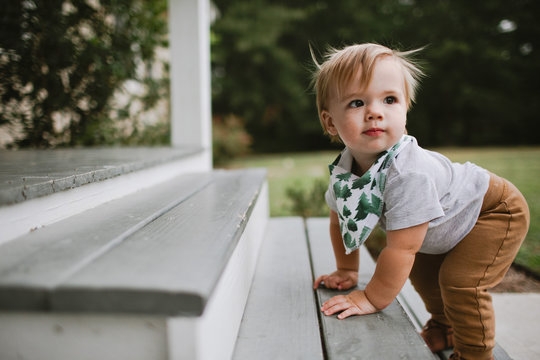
(360, 93)
(351, 95)
(392, 91)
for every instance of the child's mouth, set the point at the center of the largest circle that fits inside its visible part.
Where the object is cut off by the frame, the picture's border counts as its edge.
(374, 132)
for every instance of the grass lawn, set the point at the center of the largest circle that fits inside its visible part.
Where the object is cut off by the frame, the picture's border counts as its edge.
(520, 165)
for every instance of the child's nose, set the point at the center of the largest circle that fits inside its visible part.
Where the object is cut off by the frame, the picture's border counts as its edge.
(373, 113)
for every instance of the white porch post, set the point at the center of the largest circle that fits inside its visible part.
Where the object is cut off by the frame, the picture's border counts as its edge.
(189, 42)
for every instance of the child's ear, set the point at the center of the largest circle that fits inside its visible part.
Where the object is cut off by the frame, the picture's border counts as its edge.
(328, 122)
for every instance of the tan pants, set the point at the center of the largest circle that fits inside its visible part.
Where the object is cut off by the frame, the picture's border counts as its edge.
(454, 285)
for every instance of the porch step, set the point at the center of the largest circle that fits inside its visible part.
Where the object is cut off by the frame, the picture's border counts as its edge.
(41, 187)
(283, 318)
(280, 320)
(174, 260)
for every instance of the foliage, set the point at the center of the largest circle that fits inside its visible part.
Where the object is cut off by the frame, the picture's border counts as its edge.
(308, 201)
(229, 139)
(255, 76)
(482, 62)
(157, 134)
(61, 62)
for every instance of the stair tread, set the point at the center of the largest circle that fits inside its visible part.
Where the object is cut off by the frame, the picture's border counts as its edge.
(27, 174)
(160, 250)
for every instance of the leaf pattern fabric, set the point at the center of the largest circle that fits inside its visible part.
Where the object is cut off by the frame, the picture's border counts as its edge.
(359, 199)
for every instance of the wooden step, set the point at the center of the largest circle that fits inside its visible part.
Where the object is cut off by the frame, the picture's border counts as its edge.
(280, 320)
(177, 257)
(283, 320)
(388, 334)
(41, 187)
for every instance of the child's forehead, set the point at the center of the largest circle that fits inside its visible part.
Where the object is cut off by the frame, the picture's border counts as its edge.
(359, 77)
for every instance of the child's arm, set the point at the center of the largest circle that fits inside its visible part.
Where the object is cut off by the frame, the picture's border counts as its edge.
(346, 275)
(393, 268)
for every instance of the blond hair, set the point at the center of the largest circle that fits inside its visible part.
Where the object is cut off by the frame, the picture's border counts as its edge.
(340, 66)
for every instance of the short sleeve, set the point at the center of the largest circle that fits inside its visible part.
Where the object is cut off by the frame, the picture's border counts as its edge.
(331, 198)
(411, 199)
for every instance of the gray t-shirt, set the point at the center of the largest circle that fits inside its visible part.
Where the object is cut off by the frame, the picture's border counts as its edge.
(424, 186)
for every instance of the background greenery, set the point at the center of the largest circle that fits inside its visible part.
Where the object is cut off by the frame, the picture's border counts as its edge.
(307, 174)
(482, 62)
(64, 64)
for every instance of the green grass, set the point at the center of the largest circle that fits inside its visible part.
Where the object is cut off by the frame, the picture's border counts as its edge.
(520, 165)
(288, 170)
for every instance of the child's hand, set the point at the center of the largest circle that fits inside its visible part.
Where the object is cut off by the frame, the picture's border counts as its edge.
(355, 303)
(339, 279)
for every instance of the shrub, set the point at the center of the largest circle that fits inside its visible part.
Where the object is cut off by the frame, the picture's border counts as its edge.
(229, 139)
(61, 62)
(308, 200)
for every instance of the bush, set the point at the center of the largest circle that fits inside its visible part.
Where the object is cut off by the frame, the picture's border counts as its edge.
(61, 63)
(229, 139)
(308, 201)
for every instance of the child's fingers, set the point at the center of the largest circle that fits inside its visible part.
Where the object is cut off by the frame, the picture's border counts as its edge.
(355, 303)
(337, 308)
(335, 304)
(345, 284)
(332, 281)
(353, 310)
(332, 301)
(329, 281)
(319, 280)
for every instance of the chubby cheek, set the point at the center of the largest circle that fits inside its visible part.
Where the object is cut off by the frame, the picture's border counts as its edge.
(353, 123)
(350, 130)
(400, 130)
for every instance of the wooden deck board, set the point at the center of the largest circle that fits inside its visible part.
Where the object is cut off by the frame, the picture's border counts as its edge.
(27, 174)
(280, 320)
(388, 334)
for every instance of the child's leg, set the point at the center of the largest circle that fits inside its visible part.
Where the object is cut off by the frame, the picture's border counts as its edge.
(437, 332)
(425, 279)
(478, 263)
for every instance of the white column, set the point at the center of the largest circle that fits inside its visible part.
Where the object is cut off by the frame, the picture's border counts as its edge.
(189, 41)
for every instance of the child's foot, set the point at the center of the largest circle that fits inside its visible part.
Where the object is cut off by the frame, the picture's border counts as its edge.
(437, 336)
(457, 356)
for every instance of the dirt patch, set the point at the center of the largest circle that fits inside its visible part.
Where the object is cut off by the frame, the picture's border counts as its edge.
(517, 280)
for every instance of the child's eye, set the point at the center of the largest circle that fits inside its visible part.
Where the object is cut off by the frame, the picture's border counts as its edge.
(390, 100)
(356, 103)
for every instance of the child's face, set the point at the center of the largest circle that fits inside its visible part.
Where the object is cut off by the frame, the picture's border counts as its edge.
(372, 119)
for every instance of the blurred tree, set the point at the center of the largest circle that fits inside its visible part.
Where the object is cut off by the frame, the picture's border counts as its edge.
(62, 60)
(482, 63)
(256, 76)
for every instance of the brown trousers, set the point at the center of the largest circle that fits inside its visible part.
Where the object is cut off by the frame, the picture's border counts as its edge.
(454, 285)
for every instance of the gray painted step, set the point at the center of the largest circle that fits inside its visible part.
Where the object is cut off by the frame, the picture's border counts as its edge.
(280, 319)
(32, 266)
(158, 251)
(27, 174)
(388, 334)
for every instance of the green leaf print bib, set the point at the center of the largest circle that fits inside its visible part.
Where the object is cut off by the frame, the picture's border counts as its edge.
(360, 199)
